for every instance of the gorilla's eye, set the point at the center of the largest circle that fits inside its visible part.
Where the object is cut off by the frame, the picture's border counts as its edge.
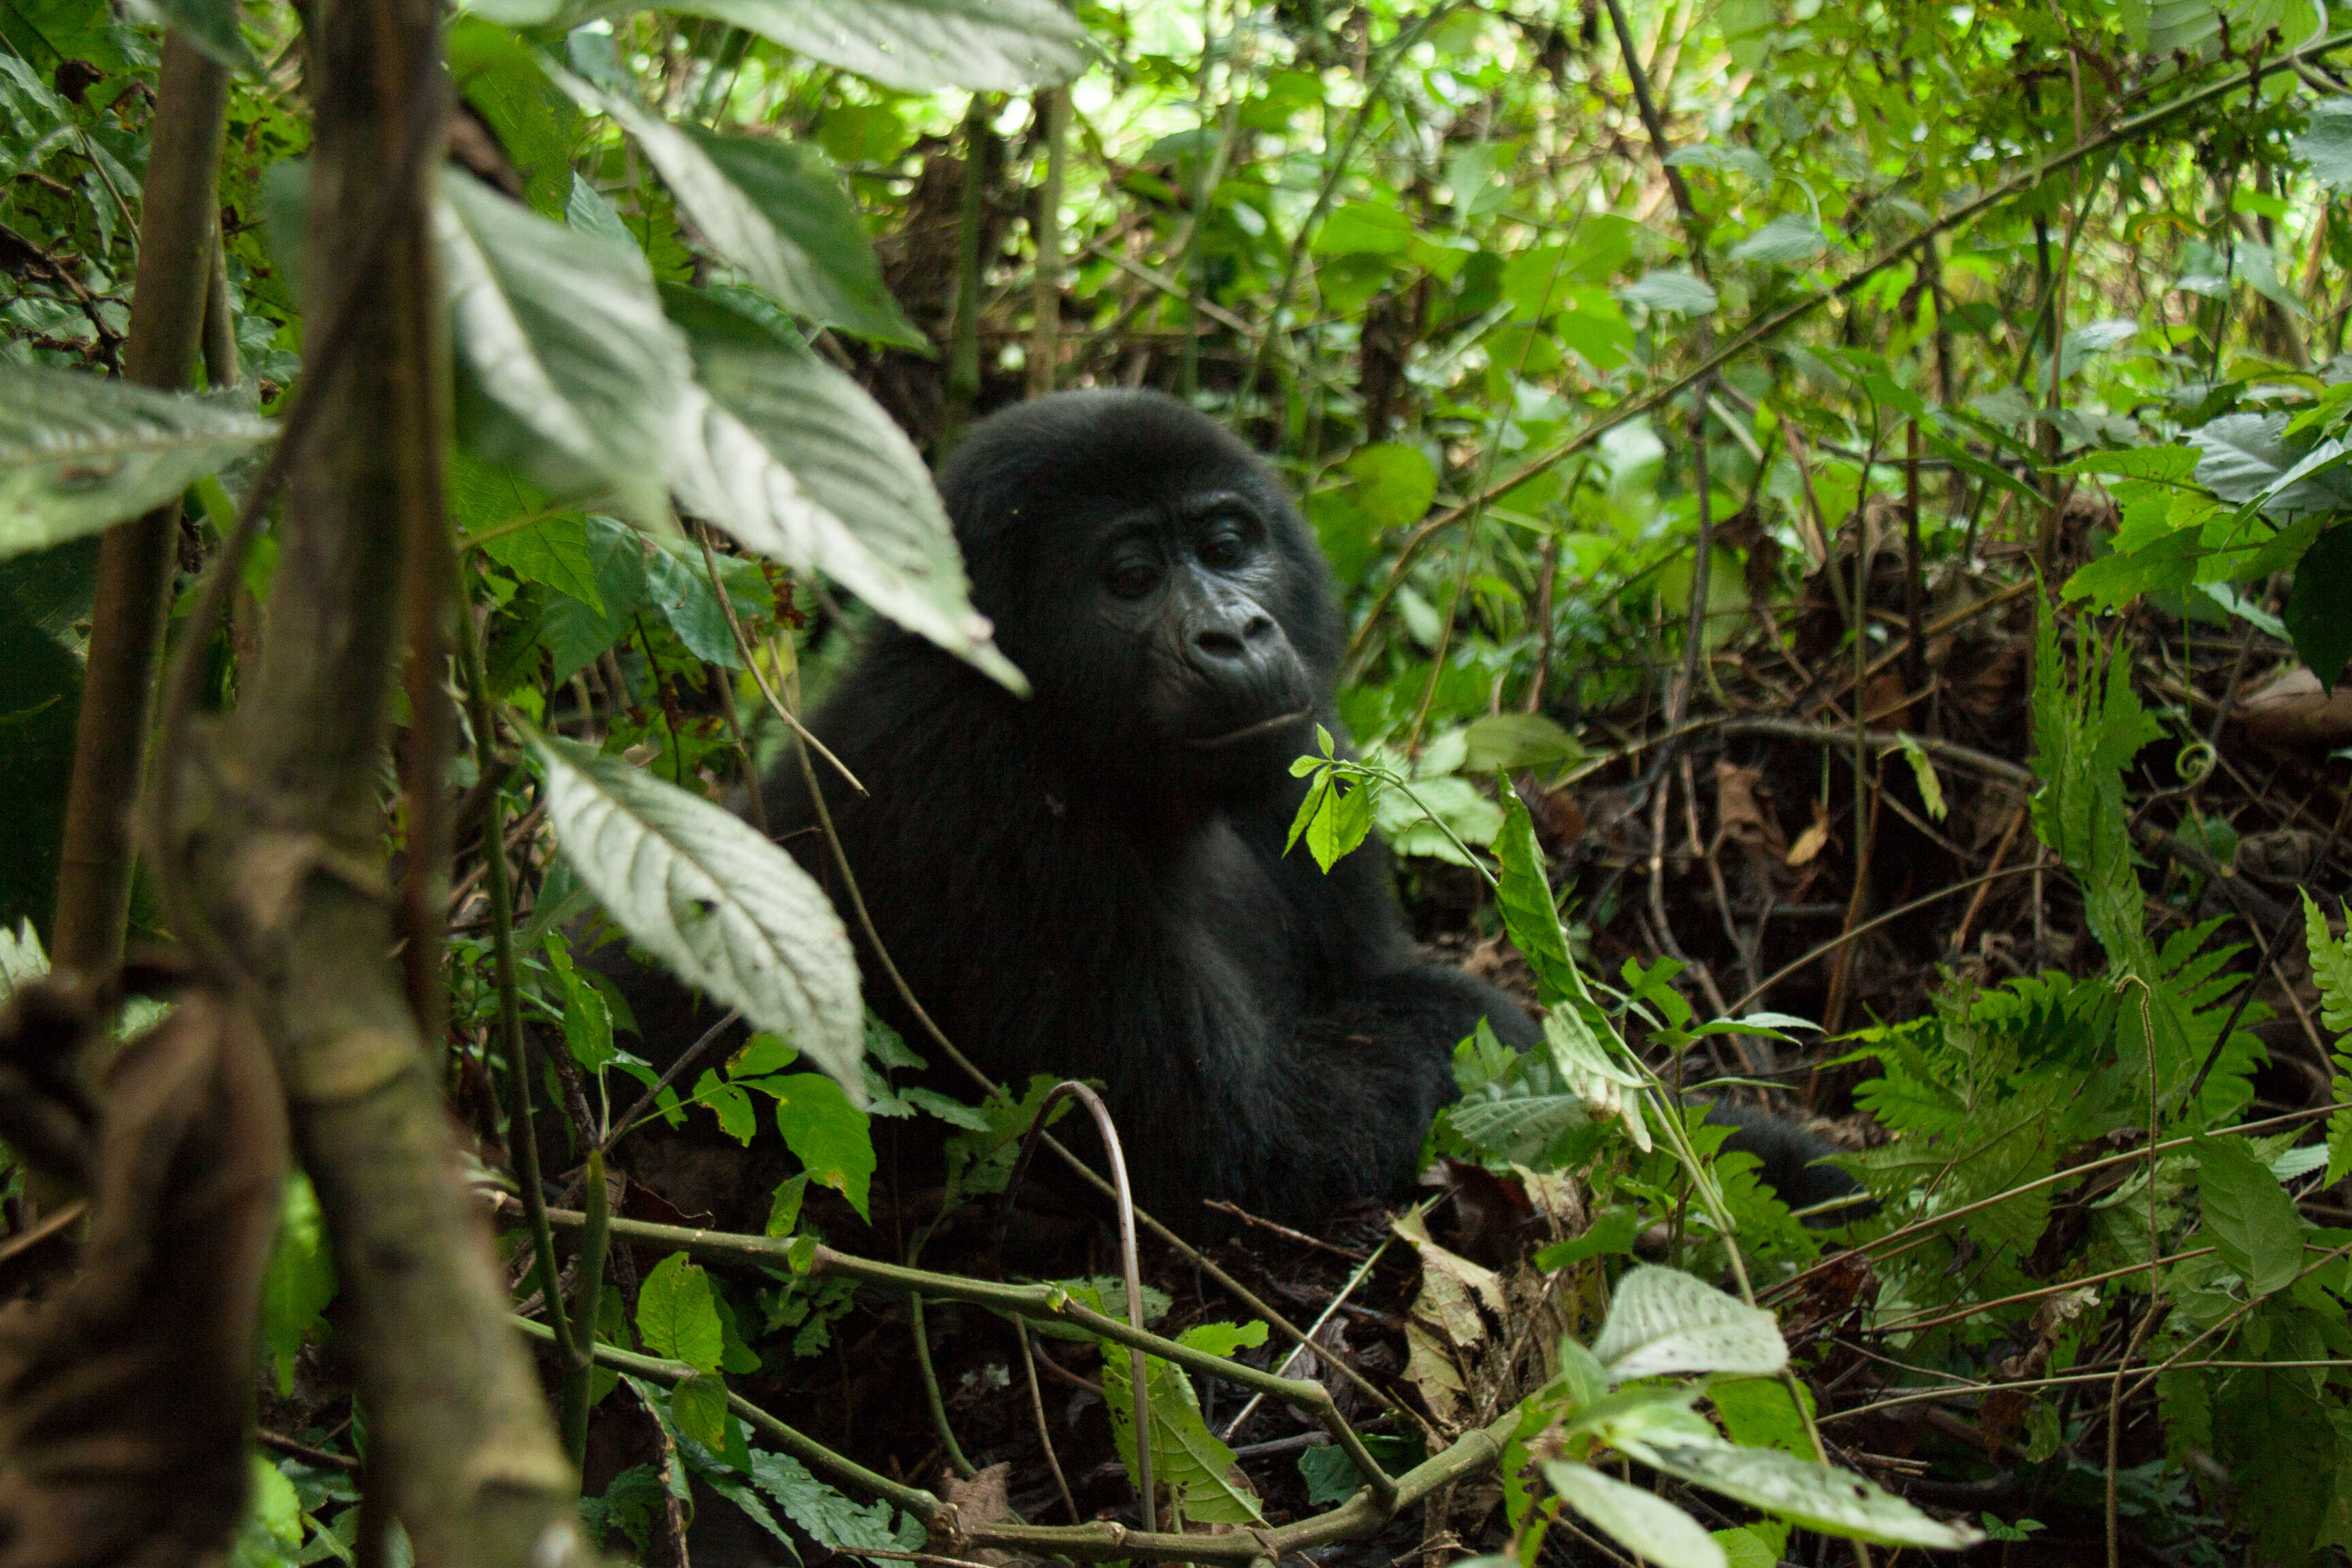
(1224, 550)
(1132, 579)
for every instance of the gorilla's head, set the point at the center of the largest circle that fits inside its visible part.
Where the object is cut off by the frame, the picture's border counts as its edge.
(1148, 572)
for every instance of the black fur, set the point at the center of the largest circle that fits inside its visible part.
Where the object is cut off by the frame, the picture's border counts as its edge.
(1073, 885)
(1092, 882)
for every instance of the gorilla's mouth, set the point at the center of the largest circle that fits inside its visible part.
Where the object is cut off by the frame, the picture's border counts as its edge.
(1248, 732)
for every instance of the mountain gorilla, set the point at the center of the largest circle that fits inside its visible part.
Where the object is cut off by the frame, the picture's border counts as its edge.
(1092, 882)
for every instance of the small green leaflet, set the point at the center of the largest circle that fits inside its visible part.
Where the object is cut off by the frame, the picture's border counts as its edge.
(2331, 965)
(1338, 812)
(678, 1314)
(1529, 913)
(2248, 1215)
(1922, 770)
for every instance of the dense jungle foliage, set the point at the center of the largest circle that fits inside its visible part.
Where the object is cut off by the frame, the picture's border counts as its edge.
(1845, 520)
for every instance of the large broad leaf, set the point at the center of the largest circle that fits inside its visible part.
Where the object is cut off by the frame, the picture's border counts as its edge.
(1833, 1501)
(2316, 605)
(2159, 27)
(2248, 1215)
(2245, 456)
(773, 209)
(798, 463)
(1664, 1320)
(727, 911)
(571, 371)
(1787, 239)
(1676, 291)
(1644, 1523)
(920, 46)
(78, 452)
(2326, 145)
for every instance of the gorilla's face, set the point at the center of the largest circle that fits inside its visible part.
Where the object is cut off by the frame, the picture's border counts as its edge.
(1149, 576)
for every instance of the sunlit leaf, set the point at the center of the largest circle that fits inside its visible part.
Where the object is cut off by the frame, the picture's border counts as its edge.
(1644, 1523)
(572, 374)
(728, 912)
(1817, 1496)
(1661, 1319)
(795, 461)
(920, 46)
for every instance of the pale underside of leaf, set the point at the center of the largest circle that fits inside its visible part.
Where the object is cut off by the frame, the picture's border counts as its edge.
(564, 332)
(1833, 1501)
(1664, 1320)
(80, 452)
(747, 476)
(1652, 1527)
(726, 909)
(735, 227)
(921, 46)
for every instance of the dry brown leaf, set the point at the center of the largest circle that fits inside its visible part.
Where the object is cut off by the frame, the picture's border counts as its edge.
(2292, 709)
(124, 1398)
(1812, 841)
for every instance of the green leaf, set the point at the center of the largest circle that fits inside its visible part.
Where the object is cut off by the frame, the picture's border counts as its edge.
(1923, 772)
(2331, 966)
(300, 1280)
(1509, 742)
(1394, 484)
(571, 371)
(1363, 229)
(784, 1205)
(1678, 293)
(1760, 1413)
(1785, 241)
(730, 1104)
(78, 452)
(1530, 916)
(1661, 1320)
(2326, 142)
(2317, 606)
(1206, 1483)
(1642, 1522)
(677, 1315)
(698, 1405)
(920, 46)
(832, 1520)
(775, 210)
(554, 550)
(1817, 1496)
(1335, 818)
(728, 912)
(211, 26)
(795, 460)
(2169, 465)
(2248, 1215)
(828, 1134)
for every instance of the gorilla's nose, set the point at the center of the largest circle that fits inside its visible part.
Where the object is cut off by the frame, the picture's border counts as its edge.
(1235, 641)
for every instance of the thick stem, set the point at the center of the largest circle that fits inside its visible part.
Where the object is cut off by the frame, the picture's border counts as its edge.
(963, 347)
(1045, 285)
(277, 839)
(136, 559)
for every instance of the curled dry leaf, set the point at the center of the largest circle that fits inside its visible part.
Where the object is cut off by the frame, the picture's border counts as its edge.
(1476, 1340)
(125, 1397)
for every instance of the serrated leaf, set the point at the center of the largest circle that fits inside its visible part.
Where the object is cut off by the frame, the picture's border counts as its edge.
(1923, 773)
(2172, 464)
(795, 460)
(571, 374)
(1648, 1525)
(773, 209)
(1679, 293)
(1200, 1473)
(920, 46)
(2331, 966)
(2244, 457)
(1817, 1496)
(80, 452)
(1530, 916)
(728, 912)
(832, 1520)
(827, 1133)
(1661, 1319)
(678, 1315)
(301, 1279)
(2248, 1215)
(1787, 239)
